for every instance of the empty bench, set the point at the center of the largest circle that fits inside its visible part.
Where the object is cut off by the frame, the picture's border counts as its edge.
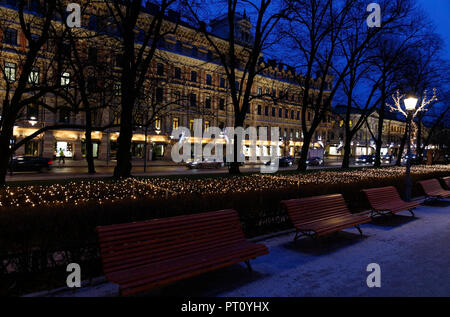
(139, 256)
(446, 181)
(321, 215)
(387, 200)
(433, 189)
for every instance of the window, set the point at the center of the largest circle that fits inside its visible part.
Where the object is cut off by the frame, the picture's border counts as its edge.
(266, 111)
(118, 88)
(309, 116)
(274, 112)
(10, 71)
(286, 113)
(64, 115)
(92, 84)
(259, 110)
(207, 125)
(92, 55)
(194, 76)
(222, 82)
(178, 46)
(292, 114)
(33, 77)
(158, 124)
(177, 73)
(236, 85)
(194, 51)
(10, 36)
(32, 112)
(193, 100)
(298, 115)
(65, 79)
(177, 97)
(175, 123)
(159, 94)
(208, 79)
(280, 112)
(119, 59)
(116, 116)
(160, 69)
(208, 102)
(259, 91)
(191, 125)
(222, 104)
(267, 91)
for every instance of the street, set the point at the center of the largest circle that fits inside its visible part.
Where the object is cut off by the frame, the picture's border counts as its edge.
(155, 168)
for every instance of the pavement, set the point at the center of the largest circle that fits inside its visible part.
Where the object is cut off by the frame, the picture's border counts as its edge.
(413, 255)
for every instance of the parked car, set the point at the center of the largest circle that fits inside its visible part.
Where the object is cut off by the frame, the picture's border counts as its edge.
(387, 159)
(283, 162)
(29, 163)
(314, 161)
(207, 163)
(365, 160)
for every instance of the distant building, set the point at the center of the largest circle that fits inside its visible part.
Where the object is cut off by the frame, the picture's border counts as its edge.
(194, 82)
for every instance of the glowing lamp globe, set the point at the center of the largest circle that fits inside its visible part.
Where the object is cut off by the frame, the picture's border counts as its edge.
(411, 103)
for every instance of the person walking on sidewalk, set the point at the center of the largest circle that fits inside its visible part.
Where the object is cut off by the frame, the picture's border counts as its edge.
(61, 157)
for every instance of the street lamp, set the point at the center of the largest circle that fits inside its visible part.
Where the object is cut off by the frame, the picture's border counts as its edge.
(410, 106)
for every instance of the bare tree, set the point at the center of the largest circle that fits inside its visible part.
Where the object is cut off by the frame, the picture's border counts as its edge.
(240, 57)
(23, 85)
(132, 20)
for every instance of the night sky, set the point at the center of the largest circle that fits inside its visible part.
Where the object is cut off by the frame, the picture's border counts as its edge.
(439, 11)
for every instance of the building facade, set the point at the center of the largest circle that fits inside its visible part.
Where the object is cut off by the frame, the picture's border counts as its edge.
(191, 84)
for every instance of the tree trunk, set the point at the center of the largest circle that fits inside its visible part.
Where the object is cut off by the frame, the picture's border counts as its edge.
(347, 151)
(123, 167)
(304, 153)
(88, 140)
(401, 149)
(379, 139)
(5, 154)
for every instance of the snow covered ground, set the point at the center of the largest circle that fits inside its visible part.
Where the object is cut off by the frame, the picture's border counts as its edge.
(413, 254)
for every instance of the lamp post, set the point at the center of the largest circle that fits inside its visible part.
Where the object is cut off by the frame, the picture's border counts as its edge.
(410, 106)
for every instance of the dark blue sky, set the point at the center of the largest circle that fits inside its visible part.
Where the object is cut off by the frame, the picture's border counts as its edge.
(439, 11)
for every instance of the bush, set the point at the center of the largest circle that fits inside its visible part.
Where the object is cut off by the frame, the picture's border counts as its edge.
(46, 238)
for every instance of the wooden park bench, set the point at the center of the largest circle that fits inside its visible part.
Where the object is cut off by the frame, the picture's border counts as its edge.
(446, 181)
(142, 255)
(433, 189)
(321, 215)
(387, 200)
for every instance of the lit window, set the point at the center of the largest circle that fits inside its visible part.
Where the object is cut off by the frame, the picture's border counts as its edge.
(175, 123)
(191, 125)
(65, 79)
(10, 71)
(33, 77)
(206, 125)
(158, 124)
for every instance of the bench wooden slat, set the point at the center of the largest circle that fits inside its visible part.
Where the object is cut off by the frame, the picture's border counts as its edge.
(142, 255)
(433, 188)
(387, 199)
(322, 214)
(446, 181)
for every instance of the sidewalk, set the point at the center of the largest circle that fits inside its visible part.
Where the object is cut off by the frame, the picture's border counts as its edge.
(413, 254)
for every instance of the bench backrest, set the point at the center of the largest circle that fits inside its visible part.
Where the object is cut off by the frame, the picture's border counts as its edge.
(130, 245)
(447, 181)
(310, 209)
(379, 197)
(431, 185)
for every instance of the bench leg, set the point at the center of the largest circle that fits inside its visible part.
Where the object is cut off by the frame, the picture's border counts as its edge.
(359, 229)
(248, 265)
(412, 213)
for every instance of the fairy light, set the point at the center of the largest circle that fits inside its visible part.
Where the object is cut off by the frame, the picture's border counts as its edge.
(101, 192)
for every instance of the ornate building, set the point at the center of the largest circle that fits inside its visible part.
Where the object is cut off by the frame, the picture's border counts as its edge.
(191, 83)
